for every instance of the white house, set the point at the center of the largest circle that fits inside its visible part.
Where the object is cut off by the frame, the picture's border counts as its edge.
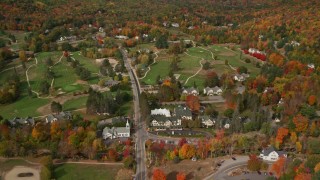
(121, 37)
(311, 66)
(162, 123)
(190, 91)
(212, 91)
(270, 154)
(162, 112)
(176, 25)
(253, 50)
(206, 121)
(240, 77)
(116, 132)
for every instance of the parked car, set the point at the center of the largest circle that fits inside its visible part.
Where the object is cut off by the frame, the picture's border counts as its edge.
(259, 172)
(234, 158)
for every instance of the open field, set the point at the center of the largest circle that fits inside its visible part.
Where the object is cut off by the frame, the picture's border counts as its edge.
(75, 103)
(159, 68)
(233, 56)
(84, 172)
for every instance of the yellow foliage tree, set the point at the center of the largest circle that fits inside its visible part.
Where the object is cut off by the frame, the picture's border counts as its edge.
(317, 167)
(187, 151)
(298, 146)
(293, 137)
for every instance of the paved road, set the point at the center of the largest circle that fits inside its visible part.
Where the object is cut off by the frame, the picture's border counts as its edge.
(141, 133)
(227, 166)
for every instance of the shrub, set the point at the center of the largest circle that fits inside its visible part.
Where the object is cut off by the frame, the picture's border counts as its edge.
(248, 60)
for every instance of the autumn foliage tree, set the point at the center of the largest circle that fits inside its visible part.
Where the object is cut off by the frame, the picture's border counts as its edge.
(112, 154)
(276, 59)
(312, 100)
(281, 133)
(301, 123)
(193, 103)
(181, 176)
(278, 167)
(254, 163)
(187, 151)
(158, 174)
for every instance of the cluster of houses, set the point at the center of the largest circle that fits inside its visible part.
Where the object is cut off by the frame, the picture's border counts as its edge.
(163, 119)
(206, 91)
(255, 51)
(61, 116)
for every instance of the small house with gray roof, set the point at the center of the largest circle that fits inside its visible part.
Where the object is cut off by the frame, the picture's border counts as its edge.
(207, 121)
(17, 121)
(64, 115)
(270, 154)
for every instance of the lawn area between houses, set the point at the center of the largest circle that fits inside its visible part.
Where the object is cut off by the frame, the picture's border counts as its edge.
(85, 172)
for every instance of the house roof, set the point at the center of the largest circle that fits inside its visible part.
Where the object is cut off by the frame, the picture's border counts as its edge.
(164, 112)
(190, 90)
(61, 116)
(270, 149)
(182, 111)
(22, 121)
(119, 119)
(111, 83)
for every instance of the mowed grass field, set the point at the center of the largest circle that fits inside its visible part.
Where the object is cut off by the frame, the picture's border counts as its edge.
(75, 103)
(85, 172)
(233, 56)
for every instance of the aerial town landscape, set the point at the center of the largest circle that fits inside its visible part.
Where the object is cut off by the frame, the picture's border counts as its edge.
(160, 89)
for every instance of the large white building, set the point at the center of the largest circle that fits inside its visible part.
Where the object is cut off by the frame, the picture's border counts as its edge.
(116, 132)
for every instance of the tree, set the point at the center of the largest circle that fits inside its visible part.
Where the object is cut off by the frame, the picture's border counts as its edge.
(182, 141)
(158, 174)
(228, 113)
(44, 87)
(301, 123)
(312, 100)
(128, 162)
(281, 133)
(278, 167)
(22, 55)
(242, 69)
(293, 137)
(254, 164)
(162, 42)
(187, 151)
(317, 167)
(56, 107)
(113, 155)
(181, 176)
(193, 103)
(304, 176)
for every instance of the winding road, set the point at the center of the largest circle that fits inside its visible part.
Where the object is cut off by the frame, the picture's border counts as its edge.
(201, 66)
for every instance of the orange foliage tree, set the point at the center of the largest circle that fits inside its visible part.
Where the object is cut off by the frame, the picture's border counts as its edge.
(276, 59)
(193, 103)
(312, 100)
(301, 123)
(181, 176)
(158, 174)
(303, 176)
(282, 132)
(113, 155)
(278, 167)
(187, 151)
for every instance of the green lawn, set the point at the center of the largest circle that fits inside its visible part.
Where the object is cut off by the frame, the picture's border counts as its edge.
(75, 103)
(24, 106)
(159, 68)
(201, 53)
(233, 57)
(198, 79)
(86, 62)
(85, 172)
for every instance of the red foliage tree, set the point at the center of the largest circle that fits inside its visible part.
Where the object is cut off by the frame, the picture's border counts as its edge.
(182, 141)
(181, 176)
(112, 154)
(158, 174)
(254, 163)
